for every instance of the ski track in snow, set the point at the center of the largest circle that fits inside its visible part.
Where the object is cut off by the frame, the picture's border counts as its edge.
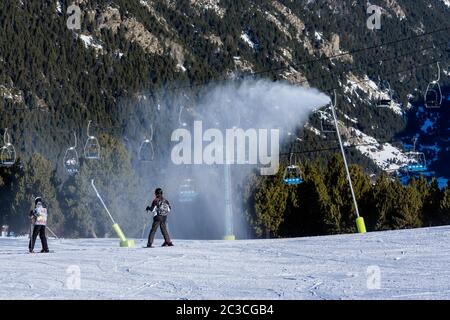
(413, 264)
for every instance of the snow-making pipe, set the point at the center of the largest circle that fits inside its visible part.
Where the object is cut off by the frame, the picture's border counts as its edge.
(123, 240)
(359, 220)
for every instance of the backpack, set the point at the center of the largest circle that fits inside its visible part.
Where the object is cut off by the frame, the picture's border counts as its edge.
(41, 216)
(163, 207)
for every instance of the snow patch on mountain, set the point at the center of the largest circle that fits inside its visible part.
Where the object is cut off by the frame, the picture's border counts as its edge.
(314, 130)
(446, 2)
(318, 36)
(58, 7)
(13, 94)
(370, 88)
(212, 5)
(246, 38)
(89, 41)
(386, 156)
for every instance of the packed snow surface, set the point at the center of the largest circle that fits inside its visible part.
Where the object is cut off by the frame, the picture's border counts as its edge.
(406, 264)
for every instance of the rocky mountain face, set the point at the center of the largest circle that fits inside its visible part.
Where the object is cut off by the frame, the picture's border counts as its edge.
(56, 78)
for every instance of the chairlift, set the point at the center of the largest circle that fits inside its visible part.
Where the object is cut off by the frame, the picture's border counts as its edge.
(384, 101)
(433, 94)
(146, 151)
(292, 173)
(326, 125)
(416, 161)
(181, 121)
(7, 152)
(92, 146)
(187, 191)
(71, 160)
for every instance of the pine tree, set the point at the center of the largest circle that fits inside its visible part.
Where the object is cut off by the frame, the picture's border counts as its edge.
(270, 204)
(444, 206)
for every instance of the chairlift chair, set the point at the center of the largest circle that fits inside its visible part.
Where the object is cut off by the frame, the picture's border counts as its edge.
(416, 162)
(181, 121)
(383, 101)
(186, 191)
(92, 146)
(146, 151)
(326, 125)
(433, 94)
(71, 159)
(292, 173)
(7, 152)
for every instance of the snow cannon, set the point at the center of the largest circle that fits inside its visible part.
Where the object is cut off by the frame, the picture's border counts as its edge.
(123, 240)
(360, 225)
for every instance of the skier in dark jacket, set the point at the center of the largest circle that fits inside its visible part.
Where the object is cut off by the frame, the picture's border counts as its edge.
(161, 208)
(39, 219)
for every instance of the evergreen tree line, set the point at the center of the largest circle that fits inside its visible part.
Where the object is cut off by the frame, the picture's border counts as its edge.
(74, 210)
(322, 204)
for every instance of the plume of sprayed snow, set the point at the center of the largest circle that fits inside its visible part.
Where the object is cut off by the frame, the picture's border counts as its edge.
(250, 103)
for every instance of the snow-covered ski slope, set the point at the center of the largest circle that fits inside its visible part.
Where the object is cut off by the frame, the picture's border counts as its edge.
(412, 264)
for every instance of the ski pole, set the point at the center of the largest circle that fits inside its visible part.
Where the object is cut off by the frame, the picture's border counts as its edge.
(52, 232)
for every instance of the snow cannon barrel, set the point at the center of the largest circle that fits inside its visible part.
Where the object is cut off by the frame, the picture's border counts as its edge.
(360, 225)
(123, 240)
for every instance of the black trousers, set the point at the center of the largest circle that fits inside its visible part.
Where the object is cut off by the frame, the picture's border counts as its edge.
(158, 221)
(38, 230)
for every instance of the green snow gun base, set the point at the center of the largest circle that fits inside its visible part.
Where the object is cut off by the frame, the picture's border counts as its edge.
(360, 225)
(123, 241)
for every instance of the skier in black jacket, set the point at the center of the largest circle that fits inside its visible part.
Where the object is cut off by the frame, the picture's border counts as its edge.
(161, 208)
(39, 218)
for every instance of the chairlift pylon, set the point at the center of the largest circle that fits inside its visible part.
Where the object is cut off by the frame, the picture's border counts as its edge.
(7, 151)
(92, 146)
(433, 94)
(71, 160)
(187, 191)
(292, 173)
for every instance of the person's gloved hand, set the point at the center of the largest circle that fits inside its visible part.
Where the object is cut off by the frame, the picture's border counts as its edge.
(147, 209)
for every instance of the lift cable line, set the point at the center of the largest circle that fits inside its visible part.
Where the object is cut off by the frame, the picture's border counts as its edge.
(407, 54)
(350, 52)
(324, 58)
(416, 67)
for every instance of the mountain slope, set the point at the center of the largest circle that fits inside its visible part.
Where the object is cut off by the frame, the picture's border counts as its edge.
(411, 265)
